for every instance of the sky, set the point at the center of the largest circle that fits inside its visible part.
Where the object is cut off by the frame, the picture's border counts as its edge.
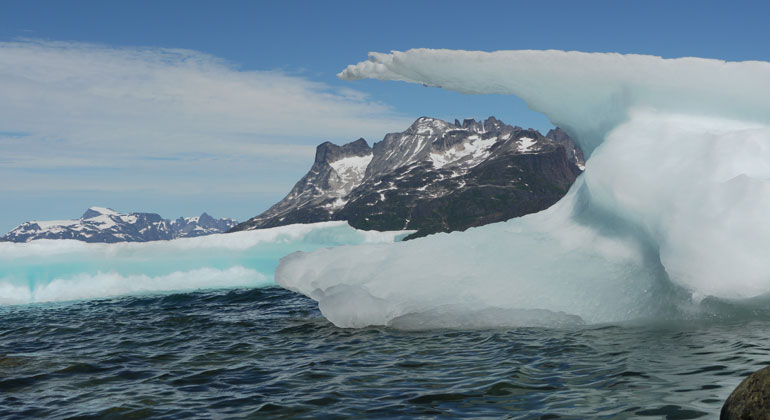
(180, 107)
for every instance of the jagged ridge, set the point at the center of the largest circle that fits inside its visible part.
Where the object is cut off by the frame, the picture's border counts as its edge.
(100, 224)
(435, 176)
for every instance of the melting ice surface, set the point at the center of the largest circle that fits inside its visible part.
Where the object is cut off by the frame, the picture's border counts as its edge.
(670, 216)
(62, 270)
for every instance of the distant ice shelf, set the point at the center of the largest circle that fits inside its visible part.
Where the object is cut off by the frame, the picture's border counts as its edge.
(64, 270)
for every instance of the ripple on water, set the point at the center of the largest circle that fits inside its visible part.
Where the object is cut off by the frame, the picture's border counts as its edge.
(269, 353)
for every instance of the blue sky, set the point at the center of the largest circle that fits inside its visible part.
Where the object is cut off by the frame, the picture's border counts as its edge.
(179, 107)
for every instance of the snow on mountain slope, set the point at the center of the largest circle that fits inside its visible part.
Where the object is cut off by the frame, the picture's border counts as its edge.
(434, 176)
(397, 150)
(100, 224)
(65, 270)
(336, 171)
(349, 172)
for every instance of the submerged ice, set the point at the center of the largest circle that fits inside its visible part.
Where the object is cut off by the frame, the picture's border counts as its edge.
(62, 270)
(671, 209)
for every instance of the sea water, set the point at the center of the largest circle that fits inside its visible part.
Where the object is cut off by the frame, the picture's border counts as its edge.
(268, 353)
(643, 293)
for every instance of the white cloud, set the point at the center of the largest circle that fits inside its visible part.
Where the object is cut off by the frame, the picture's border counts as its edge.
(71, 105)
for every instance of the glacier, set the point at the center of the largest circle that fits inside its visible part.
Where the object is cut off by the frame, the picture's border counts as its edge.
(65, 270)
(669, 219)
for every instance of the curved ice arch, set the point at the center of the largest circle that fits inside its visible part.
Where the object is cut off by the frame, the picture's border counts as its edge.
(672, 207)
(587, 94)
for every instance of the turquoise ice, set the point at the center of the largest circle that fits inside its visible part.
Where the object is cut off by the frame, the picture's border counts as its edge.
(62, 270)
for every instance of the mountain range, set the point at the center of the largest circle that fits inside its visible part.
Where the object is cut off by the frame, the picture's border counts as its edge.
(100, 224)
(435, 176)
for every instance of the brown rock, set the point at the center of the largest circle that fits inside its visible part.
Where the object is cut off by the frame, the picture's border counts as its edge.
(751, 399)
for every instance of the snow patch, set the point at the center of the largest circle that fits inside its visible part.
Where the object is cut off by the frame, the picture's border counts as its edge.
(350, 172)
(476, 149)
(355, 164)
(51, 224)
(526, 144)
(104, 211)
(104, 221)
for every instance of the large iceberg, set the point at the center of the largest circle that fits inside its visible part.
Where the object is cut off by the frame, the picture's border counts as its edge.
(671, 212)
(61, 270)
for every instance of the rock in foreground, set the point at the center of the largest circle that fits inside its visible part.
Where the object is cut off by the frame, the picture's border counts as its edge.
(751, 399)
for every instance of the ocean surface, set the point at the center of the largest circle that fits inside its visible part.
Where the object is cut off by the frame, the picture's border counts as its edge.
(268, 353)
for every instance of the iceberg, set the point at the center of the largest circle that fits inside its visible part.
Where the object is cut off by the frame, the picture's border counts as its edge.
(670, 213)
(64, 270)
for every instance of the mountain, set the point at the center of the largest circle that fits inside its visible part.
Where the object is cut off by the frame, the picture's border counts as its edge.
(99, 224)
(337, 170)
(434, 177)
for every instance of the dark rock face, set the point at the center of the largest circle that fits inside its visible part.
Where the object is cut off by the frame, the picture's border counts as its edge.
(189, 227)
(750, 400)
(433, 177)
(336, 171)
(105, 225)
(496, 190)
(574, 154)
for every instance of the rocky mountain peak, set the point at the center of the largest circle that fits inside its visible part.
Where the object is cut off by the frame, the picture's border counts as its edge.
(427, 126)
(98, 211)
(473, 125)
(492, 124)
(329, 152)
(205, 219)
(557, 134)
(101, 224)
(433, 176)
(574, 153)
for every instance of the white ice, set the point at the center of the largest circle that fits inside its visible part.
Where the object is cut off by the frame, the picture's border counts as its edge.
(63, 270)
(672, 207)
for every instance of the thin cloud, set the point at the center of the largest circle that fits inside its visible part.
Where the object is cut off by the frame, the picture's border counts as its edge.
(90, 106)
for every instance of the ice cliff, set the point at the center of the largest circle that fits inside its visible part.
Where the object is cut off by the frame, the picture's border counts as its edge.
(669, 216)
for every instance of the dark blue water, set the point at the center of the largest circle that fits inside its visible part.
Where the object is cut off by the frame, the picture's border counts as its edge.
(268, 353)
